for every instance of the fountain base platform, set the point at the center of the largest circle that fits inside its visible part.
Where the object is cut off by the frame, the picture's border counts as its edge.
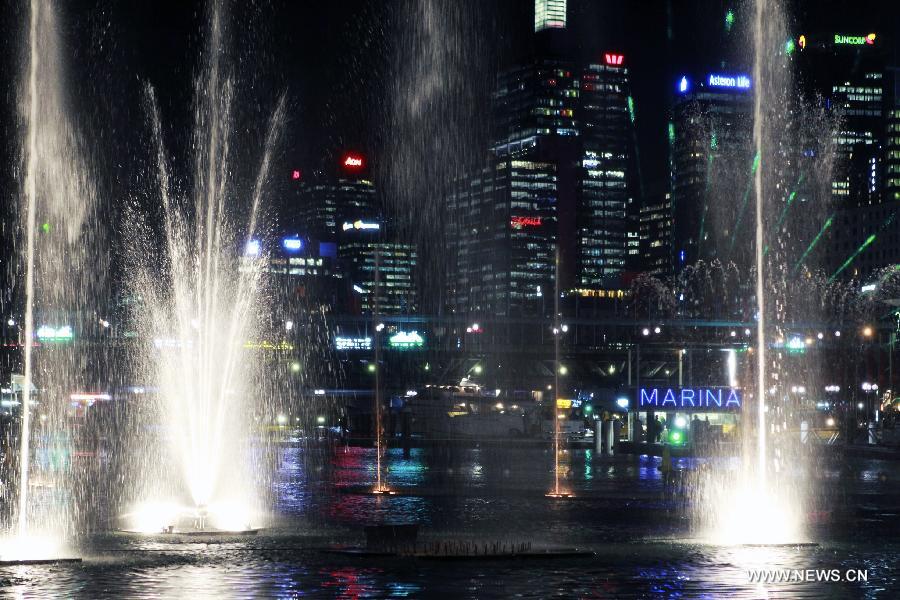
(194, 532)
(559, 495)
(38, 561)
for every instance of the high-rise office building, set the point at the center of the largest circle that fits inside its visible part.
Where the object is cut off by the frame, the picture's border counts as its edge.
(379, 272)
(505, 238)
(655, 234)
(847, 72)
(712, 163)
(327, 202)
(570, 122)
(549, 14)
(892, 154)
(342, 216)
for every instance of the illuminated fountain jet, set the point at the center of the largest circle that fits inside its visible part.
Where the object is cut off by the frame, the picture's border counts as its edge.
(204, 297)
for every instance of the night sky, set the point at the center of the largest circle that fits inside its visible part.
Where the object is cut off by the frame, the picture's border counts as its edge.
(344, 65)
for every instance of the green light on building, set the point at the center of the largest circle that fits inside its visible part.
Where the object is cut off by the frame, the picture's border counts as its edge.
(631, 108)
(789, 47)
(48, 333)
(671, 132)
(406, 339)
(729, 20)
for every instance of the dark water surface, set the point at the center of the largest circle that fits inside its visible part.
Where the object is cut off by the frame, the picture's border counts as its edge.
(642, 545)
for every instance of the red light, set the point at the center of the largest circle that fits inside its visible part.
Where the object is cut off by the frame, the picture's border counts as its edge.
(521, 222)
(353, 161)
(295, 174)
(614, 59)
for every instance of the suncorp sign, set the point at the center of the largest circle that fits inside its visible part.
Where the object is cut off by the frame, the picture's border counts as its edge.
(689, 398)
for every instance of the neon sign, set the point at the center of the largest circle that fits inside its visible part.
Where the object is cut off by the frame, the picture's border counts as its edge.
(801, 41)
(292, 244)
(613, 59)
(353, 161)
(295, 174)
(406, 339)
(689, 398)
(46, 333)
(729, 81)
(684, 85)
(522, 222)
(352, 343)
(360, 225)
(854, 40)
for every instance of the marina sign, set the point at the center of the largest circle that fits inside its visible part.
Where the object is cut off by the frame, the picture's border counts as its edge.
(699, 398)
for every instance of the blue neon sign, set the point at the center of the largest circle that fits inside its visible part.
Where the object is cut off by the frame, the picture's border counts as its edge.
(689, 398)
(741, 82)
(684, 85)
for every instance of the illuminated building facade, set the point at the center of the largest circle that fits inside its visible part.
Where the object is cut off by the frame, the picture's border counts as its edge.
(892, 153)
(604, 240)
(655, 234)
(325, 206)
(848, 72)
(712, 165)
(363, 249)
(342, 217)
(563, 152)
(549, 14)
(504, 239)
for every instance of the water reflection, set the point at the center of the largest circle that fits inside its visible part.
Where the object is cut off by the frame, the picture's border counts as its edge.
(620, 512)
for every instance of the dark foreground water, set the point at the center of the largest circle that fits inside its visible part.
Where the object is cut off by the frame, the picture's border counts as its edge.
(621, 513)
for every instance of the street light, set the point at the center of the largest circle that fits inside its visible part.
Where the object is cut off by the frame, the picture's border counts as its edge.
(867, 331)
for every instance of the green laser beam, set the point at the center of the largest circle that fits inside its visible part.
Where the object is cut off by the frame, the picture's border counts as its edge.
(815, 241)
(866, 244)
(737, 223)
(791, 197)
(853, 256)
